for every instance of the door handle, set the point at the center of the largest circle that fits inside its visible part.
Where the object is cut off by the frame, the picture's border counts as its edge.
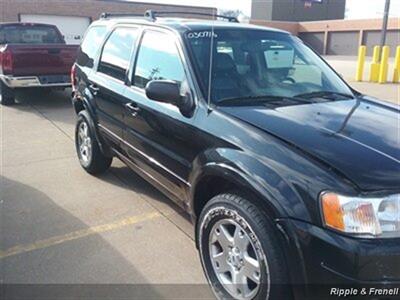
(94, 89)
(133, 108)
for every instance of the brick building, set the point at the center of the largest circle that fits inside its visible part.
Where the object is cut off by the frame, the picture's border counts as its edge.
(74, 16)
(341, 37)
(297, 10)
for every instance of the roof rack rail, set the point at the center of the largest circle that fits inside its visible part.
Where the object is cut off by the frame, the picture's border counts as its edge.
(106, 15)
(151, 14)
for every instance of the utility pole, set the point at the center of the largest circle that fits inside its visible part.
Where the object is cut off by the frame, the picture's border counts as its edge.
(385, 23)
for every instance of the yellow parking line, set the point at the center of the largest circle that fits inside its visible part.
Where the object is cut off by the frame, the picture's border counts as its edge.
(56, 240)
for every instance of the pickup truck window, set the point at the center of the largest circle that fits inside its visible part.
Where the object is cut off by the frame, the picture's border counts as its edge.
(90, 46)
(117, 53)
(29, 34)
(158, 59)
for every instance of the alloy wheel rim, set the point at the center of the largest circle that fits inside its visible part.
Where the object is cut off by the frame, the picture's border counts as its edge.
(234, 259)
(84, 142)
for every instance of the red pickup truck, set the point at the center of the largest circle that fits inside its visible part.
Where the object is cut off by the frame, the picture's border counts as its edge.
(33, 56)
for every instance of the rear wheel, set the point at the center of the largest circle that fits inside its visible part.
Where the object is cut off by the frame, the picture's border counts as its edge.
(90, 156)
(6, 95)
(240, 252)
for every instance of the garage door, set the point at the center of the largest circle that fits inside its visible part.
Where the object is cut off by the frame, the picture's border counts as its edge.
(73, 28)
(373, 38)
(343, 43)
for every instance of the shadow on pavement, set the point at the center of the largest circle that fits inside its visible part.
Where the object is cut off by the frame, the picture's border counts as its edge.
(86, 268)
(45, 99)
(57, 107)
(28, 215)
(130, 180)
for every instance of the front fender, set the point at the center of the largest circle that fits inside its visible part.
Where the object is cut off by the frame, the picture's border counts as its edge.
(246, 171)
(280, 196)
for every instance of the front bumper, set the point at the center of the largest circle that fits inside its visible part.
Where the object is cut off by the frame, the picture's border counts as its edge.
(329, 259)
(44, 81)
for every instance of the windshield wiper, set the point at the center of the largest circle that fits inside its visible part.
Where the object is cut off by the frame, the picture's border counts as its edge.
(330, 95)
(259, 100)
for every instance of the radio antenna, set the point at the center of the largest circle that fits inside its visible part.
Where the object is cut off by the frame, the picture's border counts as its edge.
(210, 75)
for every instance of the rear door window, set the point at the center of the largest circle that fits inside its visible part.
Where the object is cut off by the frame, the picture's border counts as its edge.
(90, 46)
(158, 59)
(117, 52)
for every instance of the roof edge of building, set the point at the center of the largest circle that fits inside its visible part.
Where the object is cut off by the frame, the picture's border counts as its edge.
(160, 4)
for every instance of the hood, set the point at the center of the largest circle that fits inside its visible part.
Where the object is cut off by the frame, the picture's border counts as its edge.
(359, 138)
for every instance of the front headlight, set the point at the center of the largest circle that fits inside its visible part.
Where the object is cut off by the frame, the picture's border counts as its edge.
(379, 217)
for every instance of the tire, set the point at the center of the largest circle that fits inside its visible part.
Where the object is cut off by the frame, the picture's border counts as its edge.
(243, 241)
(6, 95)
(89, 153)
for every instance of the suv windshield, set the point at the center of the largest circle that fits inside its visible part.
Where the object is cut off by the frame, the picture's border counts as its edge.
(29, 34)
(256, 63)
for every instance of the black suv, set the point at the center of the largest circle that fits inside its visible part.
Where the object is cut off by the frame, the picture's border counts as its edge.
(290, 176)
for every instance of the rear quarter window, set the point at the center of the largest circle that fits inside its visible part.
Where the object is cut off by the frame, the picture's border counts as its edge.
(91, 45)
(117, 52)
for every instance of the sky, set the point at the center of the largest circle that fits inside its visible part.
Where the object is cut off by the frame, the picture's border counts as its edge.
(356, 9)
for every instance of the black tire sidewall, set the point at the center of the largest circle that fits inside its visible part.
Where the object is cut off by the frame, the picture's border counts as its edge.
(98, 162)
(84, 119)
(213, 214)
(6, 94)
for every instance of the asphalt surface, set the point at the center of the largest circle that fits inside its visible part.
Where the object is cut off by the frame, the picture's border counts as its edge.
(60, 225)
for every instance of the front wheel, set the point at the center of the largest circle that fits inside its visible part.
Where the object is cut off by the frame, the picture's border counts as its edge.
(240, 252)
(90, 155)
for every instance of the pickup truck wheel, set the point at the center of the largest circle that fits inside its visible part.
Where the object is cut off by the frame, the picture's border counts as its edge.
(90, 156)
(6, 95)
(240, 252)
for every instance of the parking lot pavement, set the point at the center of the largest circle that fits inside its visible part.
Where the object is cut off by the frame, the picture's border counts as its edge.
(61, 225)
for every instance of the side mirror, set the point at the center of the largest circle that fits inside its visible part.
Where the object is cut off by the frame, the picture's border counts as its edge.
(167, 91)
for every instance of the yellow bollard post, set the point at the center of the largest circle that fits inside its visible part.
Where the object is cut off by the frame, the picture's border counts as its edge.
(361, 62)
(383, 72)
(374, 70)
(396, 74)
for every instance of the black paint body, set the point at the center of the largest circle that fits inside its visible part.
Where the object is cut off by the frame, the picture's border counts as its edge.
(284, 156)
